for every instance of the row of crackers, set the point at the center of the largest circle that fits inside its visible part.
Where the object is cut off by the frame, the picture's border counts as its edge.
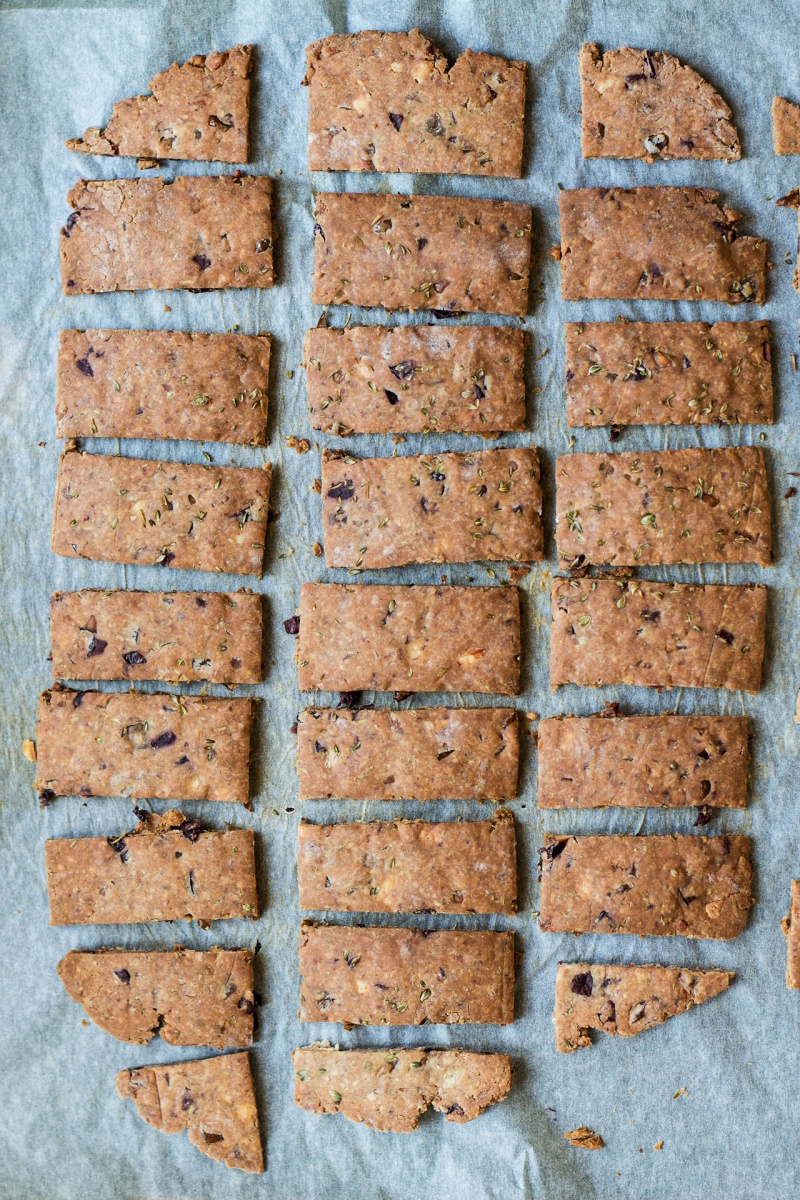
(383, 388)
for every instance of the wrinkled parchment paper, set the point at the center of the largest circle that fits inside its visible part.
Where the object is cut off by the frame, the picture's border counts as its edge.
(719, 1086)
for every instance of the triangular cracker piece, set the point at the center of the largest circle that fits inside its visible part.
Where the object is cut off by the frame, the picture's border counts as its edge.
(625, 1000)
(211, 1097)
(199, 110)
(785, 126)
(643, 104)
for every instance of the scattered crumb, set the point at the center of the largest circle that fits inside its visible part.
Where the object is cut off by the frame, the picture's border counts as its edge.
(397, 439)
(540, 356)
(301, 445)
(518, 572)
(792, 491)
(317, 486)
(584, 1138)
(681, 1092)
(29, 750)
(42, 443)
(658, 1146)
(146, 164)
(316, 549)
(555, 253)
(167, 308)
(794, 362)
(289, 374)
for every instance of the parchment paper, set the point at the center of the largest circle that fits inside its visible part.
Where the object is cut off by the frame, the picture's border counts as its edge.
(733, 1063)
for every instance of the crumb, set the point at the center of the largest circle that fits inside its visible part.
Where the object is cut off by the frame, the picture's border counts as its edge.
(658, 1146)
(555, 253)
(584, 1138)
(518, 572)
(289, 374)
(397, 439)
(301, 445)
(29, 750)
(681, 1092)
(317, 486)
(146, 164)
(316, 550)
(167, 308)
(792, 491)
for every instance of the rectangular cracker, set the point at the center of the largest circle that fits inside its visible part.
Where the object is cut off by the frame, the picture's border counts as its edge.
(189, 997)
(485, 505)
(656, 243)
(654, 634)
(416, 379)
(405, 253)
(417, 638)
(135, 510)
(384, 975)
(409, 866)
(196, 110)
(147, 747)
(668, 373)
(390, 1090)
(408, 754)
(612, 760)
(387, 102)
(167, 869)
(194, 232)
(791, 928)
(625, 1000)
(131, 383)
(678, 884)
(171, 636)
(664, 506)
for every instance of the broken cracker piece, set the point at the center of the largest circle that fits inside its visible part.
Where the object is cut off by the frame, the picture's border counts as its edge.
(212, 1098)
(584, 1138)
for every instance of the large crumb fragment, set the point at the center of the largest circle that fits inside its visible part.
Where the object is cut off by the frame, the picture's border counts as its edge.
(584, 1138)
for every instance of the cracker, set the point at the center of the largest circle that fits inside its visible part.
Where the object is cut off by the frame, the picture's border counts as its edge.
(664, 506)
(130, 383)
(408, 754)
(668, 373)
(654, 634)
(647, 104)
(422, 252)
(678, 884)
(382, 975)
(657, 243)
(416, 379)
(409, 866)
(616, 761)
(417, 638)
(135, 510)
(194, 232)
(785, 126)
(143, 746)
(189, 997)
(167, 869)
(443, 508)
(213, 1098)
(387, 102)
(171, 636)
(390, 1090)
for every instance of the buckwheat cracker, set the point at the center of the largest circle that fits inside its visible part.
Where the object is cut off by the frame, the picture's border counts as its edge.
(189, 997)
(409, 866)
(687, 885)
(384, 975)
(668, 373)
(631, 761)
(656, 243)
(166, 869)
(198, 110)
(654, 634)
(664, 506)
(391, 1089)
(625, 1000)
(145, 746)
(417, 638)
(170, 636)
(387, 102)
(408, 754)
(135, 510)
(213, 1098)
(791, 928)
(130, 383)
(388, 512)
(785, 126)
(416, 379)
(195, 232)
(405, 253)
(647, 104)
